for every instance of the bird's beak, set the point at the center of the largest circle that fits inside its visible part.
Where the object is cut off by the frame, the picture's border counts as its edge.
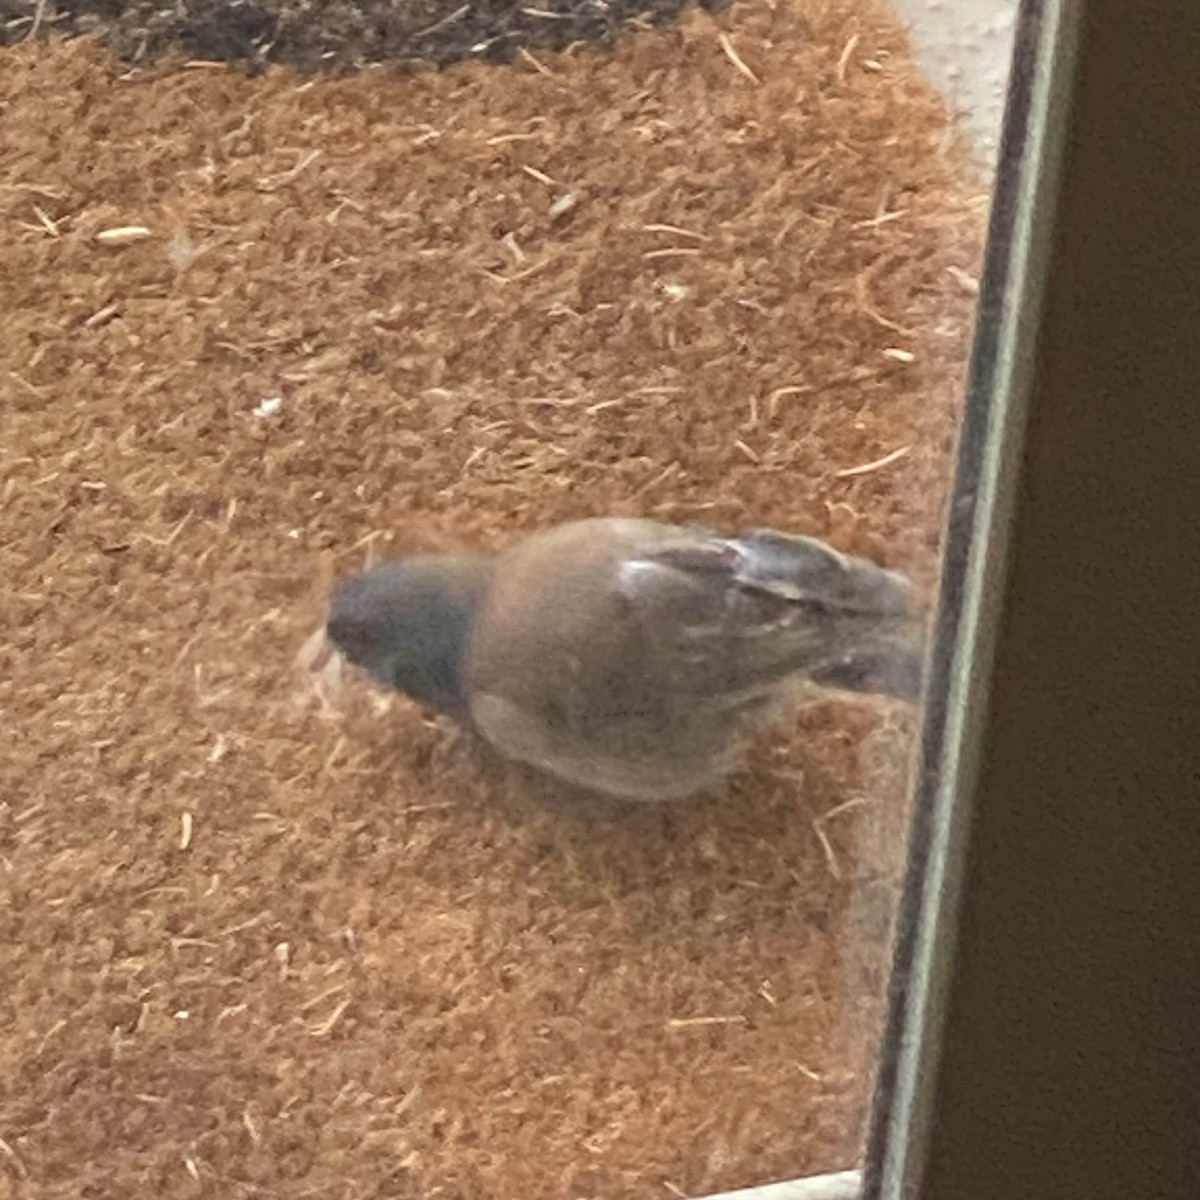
(314, 655)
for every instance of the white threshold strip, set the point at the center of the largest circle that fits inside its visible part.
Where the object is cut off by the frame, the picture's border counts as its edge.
(842, 1185)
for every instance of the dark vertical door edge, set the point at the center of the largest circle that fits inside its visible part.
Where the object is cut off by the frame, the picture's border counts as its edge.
(1046, 991)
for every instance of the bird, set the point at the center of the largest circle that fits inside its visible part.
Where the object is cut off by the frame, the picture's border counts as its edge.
(631, 657)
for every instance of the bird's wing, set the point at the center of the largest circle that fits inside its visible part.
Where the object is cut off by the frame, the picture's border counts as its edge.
(733, 615)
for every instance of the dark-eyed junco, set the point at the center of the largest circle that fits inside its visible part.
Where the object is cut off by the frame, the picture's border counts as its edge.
(631, 657)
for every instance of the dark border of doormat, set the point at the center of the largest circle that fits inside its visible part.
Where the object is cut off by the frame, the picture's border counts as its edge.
(336, 35)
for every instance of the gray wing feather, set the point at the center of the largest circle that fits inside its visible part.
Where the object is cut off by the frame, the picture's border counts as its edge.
(735, 615)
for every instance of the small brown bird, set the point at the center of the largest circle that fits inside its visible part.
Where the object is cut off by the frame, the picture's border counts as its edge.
(631, 657)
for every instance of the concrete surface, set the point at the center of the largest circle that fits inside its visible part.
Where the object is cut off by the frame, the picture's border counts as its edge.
(843, 1185)
(965, 46)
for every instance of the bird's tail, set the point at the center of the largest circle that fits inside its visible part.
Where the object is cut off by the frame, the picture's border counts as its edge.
(888, 667)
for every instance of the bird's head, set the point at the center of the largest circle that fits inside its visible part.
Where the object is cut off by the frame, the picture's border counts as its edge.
(408, 623)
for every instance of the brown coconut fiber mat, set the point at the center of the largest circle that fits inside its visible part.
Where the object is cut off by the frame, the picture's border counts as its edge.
(256, 328)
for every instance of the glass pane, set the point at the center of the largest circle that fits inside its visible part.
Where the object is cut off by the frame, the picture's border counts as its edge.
(281, 301)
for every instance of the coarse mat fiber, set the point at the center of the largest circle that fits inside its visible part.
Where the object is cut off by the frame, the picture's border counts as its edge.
(253, 946)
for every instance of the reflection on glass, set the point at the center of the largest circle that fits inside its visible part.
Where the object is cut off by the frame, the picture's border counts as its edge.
(281, 931)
